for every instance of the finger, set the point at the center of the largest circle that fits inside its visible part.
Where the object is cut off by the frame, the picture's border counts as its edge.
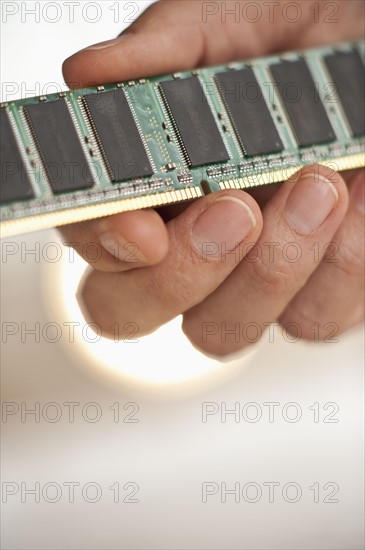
(306, 210)
(192, 269)
(136, 51)
(172, 36)
(345, 22)
(118, 243)
(168, 36)
(147, 47)
(333, 299)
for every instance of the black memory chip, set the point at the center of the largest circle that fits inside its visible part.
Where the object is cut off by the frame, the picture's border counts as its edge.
(248, 111)
(302, 103)
(15, 182)
(117, 135)
(59, 146)
(348, 74)
(194, 121)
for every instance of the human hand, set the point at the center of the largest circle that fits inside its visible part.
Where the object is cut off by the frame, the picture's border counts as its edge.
(165, 271)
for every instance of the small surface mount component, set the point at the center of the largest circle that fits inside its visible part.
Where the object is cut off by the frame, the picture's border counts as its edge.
(85, 154)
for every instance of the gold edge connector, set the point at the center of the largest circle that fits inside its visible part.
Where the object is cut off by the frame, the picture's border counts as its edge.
(37, 222)
(252, 180)
(10, 228)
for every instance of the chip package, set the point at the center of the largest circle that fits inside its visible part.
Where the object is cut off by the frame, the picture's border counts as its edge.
(59, 147)
(347, 71)
(194, 121)
(302, 103)
(15, 181)
(117, 134)
(249, 113)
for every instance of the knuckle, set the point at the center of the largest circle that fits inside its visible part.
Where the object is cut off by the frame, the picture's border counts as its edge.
(350, 261)
(177, 282)
(275, 278)
(174, 287)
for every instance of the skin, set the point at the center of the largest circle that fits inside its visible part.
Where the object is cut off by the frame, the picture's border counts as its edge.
(169, 275)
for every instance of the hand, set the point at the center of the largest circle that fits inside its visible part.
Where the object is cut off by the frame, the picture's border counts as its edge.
(282, 266)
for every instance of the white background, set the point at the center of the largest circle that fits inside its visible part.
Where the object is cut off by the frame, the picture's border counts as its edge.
(170, 452)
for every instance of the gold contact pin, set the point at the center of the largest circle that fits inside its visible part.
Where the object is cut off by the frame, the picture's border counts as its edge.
(252, 180)
(83, 213)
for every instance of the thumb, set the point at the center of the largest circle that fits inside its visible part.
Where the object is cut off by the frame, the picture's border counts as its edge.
(167, 37)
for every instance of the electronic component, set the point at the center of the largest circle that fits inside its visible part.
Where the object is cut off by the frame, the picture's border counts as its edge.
(15, 182)
(249, 113)
(117, 135)
(347, 71)
(194, 121)
(83, 154)
(59, 146)
(302, 102)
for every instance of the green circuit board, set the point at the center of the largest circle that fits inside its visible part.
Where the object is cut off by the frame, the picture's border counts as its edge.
(89, 153)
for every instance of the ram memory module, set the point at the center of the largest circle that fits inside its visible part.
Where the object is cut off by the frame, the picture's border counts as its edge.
(89, 153)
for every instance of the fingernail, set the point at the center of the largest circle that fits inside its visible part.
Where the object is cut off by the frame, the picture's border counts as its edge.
(103, 45)
(223, 225)
(310, 203)
(358, 196)
(121, 249)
